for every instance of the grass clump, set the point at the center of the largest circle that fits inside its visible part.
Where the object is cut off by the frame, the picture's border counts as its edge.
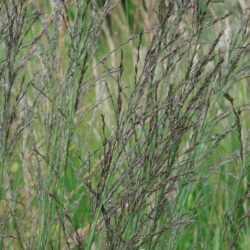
(120, 131)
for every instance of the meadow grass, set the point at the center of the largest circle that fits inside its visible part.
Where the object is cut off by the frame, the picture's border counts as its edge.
(124, 124)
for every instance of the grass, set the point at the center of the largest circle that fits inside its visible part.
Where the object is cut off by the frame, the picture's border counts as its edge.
(124, 125)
